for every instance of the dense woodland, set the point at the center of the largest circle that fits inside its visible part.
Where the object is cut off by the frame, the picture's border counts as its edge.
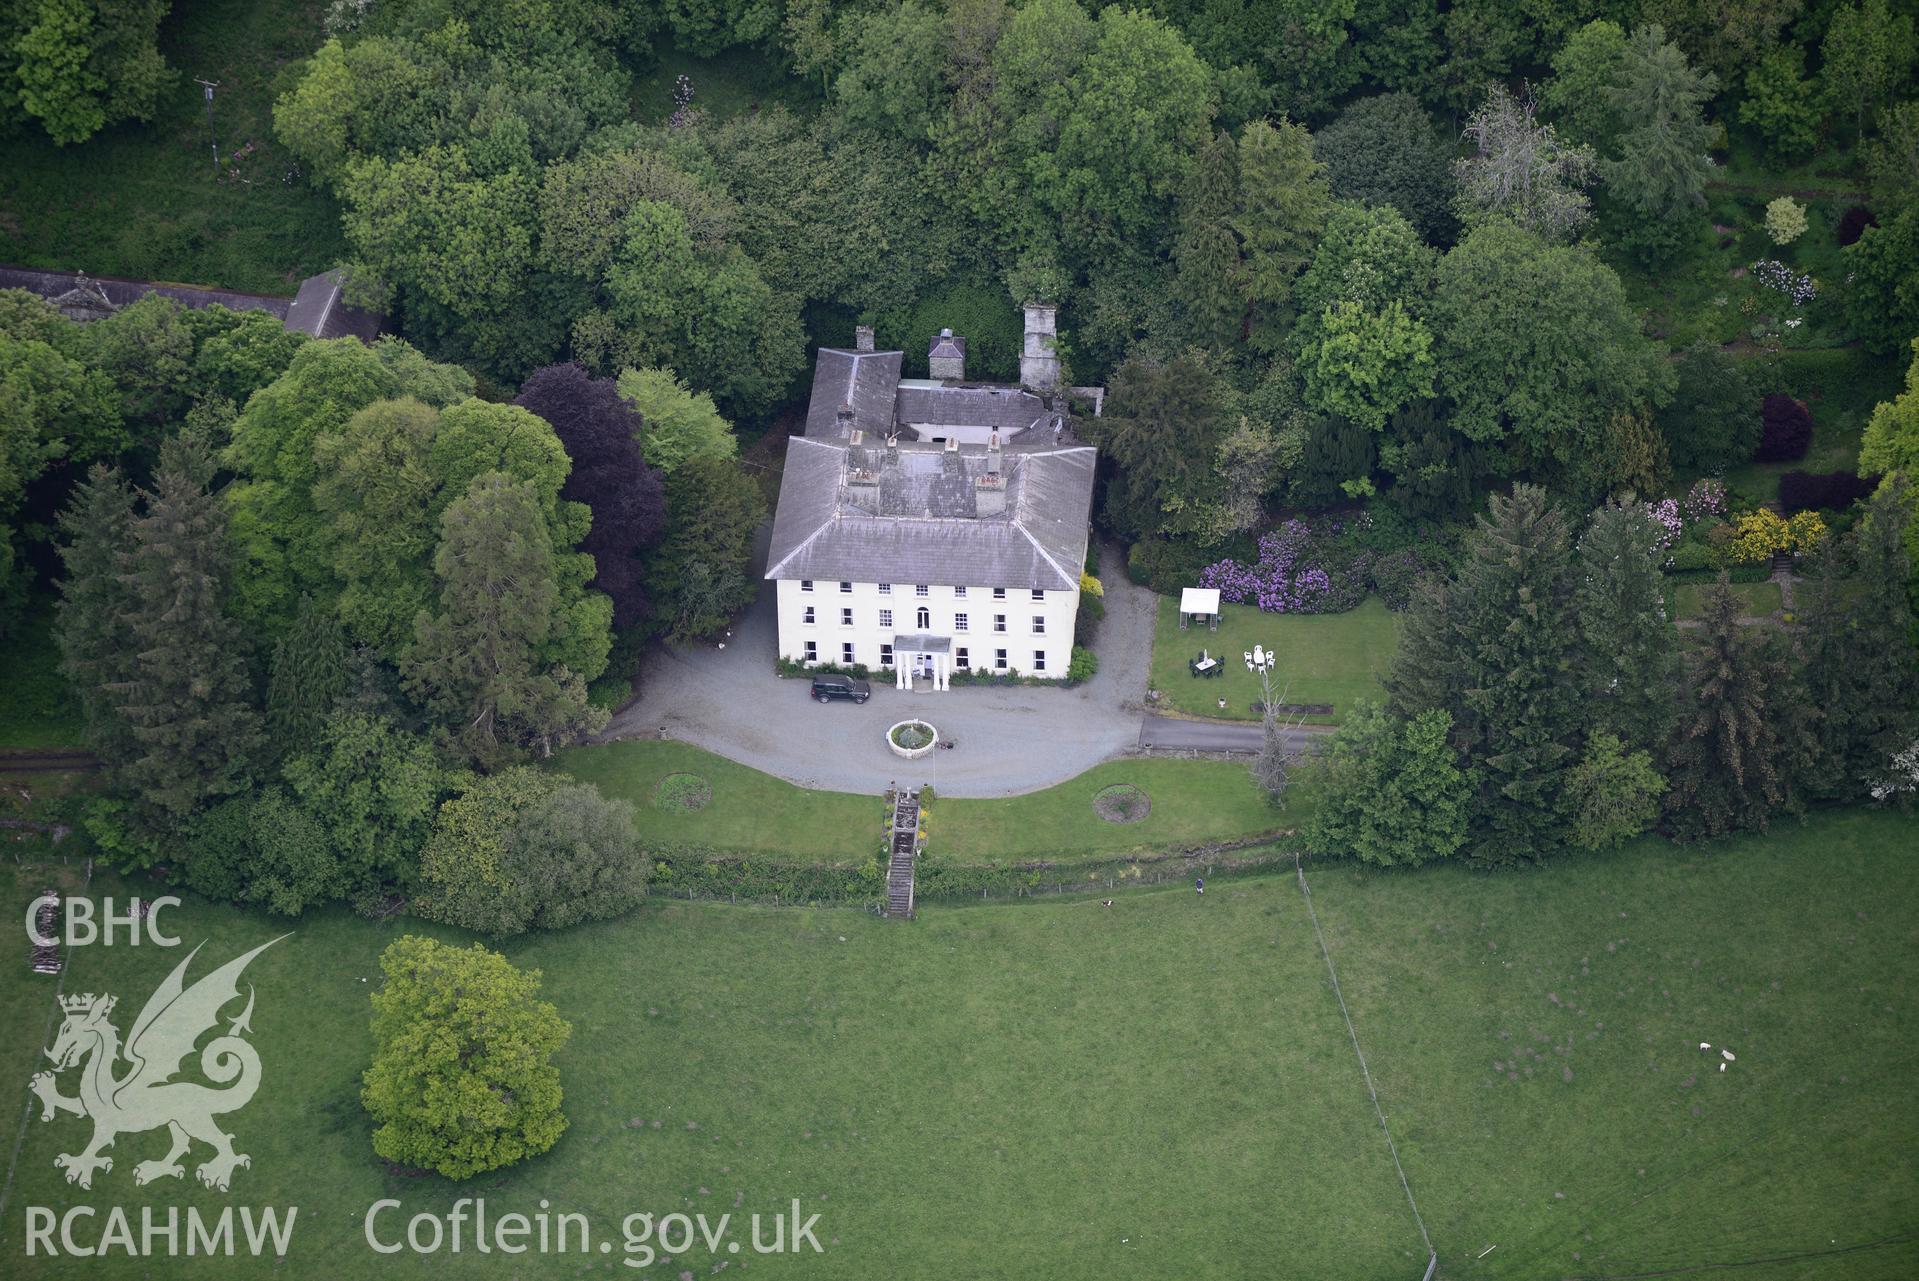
(1473, 310)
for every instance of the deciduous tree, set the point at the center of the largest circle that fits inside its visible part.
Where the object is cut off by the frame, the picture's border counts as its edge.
(462, 1079)
(1389, 791)
(602, 433)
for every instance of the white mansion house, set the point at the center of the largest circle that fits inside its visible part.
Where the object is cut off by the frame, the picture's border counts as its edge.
(933, 524)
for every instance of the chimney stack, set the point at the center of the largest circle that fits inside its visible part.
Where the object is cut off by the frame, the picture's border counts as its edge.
(843, 420)
(1039, 360)
(862, 338)
(989, 489)
(946, 357)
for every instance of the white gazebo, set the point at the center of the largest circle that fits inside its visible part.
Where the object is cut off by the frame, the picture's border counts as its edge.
(1199, 602)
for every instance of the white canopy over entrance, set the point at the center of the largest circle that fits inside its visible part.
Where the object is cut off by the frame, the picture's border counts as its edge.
(927, 658)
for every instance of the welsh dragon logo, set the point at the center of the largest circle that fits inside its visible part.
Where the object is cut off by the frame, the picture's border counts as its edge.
(146, 1096)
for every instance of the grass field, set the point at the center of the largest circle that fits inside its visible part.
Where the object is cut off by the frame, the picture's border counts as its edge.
(1323, 658)
(141, 200)
(1069, 1092)
(1535, 1038)
(1160, 1089)
(1193, 802)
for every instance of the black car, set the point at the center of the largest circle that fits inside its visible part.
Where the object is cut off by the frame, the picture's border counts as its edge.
(828, 688)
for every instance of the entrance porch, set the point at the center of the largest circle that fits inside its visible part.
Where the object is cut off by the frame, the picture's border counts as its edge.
(922, 657)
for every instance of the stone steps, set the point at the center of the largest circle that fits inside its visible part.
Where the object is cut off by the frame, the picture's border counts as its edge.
(899, 866)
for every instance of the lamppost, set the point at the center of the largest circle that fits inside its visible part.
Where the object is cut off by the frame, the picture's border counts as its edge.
(210, 86)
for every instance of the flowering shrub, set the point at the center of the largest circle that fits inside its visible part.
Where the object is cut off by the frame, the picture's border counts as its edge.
(1760, 535)
(1394, 575)
(1666, 519)
(1901, 779)
(1294, 576)
(1705, 500)
(1804, 532)
(1796, 288)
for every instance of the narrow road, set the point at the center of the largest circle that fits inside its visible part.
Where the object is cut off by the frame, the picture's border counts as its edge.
(1172, 734)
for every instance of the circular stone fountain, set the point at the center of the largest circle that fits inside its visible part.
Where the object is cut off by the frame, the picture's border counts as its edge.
(912, 739)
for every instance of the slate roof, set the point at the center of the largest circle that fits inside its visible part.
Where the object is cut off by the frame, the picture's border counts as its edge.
(921, 523)
(867, 380)
(316, 310)
(1007, 408)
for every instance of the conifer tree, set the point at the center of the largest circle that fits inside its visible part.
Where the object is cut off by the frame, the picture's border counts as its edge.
(1518, 647)
(1629, 651)
(1205, 249)
(188, 697)
(1730, 763)
(1861, 670)
(310, 672)
(95, 610)
(476, 661)
(1424, 676)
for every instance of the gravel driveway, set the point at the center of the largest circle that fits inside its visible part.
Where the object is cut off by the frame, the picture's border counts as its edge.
(1010, 739)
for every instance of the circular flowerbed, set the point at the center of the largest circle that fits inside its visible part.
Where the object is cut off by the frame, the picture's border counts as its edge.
(911, 739)
(1122, 803)
(682, 793)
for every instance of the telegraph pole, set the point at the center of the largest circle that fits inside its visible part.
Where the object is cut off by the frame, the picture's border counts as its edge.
(212, 142)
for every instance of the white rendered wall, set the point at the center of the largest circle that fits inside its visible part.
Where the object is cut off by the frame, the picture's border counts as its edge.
(1059, 609)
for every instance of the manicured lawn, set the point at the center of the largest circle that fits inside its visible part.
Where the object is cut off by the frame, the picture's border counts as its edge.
(1193, 803)
(749, 811)
(1323, 658)
(37, 709)
(1755, 599)
(141, 200)
(1536, 1038)
(1163, 1088)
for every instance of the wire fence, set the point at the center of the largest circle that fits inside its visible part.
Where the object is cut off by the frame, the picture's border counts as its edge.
(1306, 891)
